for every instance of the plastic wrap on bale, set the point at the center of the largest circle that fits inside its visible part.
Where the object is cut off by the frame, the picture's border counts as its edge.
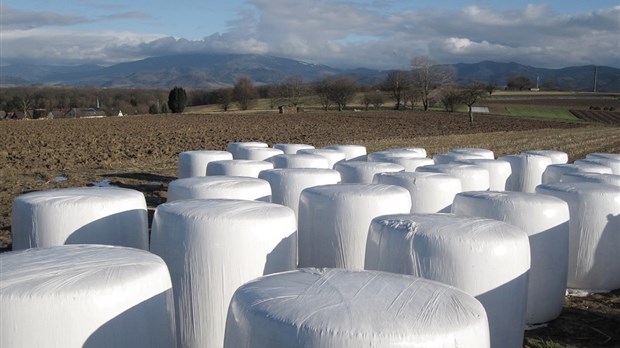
(545, 219)
(249, 168)
(611, 163)
(445, 158)
(257, 153)
(553, 173)
(351, 152)
(86, 215)
(211, 248)
(287, 184)
(594, 238)
(362, 172)
(499, 172)
(219, 187)
(299, 161)
(194, 163)
(344, 309)
(526, 171)
(473, 178)
(235, 146)
(291, 149)
(557, 157)
(485, 153)
(85, 296)
(430, 192)
(610, 179)
(333, 156)
(334, 220)
(486, 258)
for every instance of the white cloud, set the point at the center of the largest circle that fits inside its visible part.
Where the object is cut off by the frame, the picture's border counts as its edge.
(347, 33)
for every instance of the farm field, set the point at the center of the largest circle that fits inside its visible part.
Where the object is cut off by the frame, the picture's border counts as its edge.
(140, 152)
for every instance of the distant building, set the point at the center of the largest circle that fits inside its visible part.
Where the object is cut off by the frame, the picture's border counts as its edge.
(84, 112)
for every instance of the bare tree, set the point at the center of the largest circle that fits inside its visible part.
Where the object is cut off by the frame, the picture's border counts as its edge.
(322, 88)
(292, 89)
(342, 90)
(244, 92)
(375, 98)
(223, 96)
(427, 75)
(397, 82)
(471, 95)
(450, 98)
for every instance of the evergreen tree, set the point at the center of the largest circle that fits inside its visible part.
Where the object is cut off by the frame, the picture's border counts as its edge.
(177, 100)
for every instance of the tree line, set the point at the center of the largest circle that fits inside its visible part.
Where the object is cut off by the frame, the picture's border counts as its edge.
(427, 84)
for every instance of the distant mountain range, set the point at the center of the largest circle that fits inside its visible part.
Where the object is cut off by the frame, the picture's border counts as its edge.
(218, 70)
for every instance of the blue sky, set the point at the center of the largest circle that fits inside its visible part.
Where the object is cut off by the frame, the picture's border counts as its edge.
(355, 33)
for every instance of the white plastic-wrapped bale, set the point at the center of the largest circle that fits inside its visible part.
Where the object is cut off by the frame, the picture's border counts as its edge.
(445, 158)
(430, 192)
(334, 220)
(615, 156)
(486, 258)
(333, 156)
(257, 153)
(235, 146)
(220, 187)
(557, 157)
(545, 220)
(613, 164)
(194, 163)
(353, 309)
(610, 179)
(249, 168)
(409, 163)
(299, 161)
(351, 152)
(420, 150)
(593, 262)
(499, 171)
(287, 183)
(554, 172)
(85, 296)
(485, 153)
(211, 248)
(473, 178)
(363, 172)
(291, 149)
(387, 155)
(87, 215)
(526, 171)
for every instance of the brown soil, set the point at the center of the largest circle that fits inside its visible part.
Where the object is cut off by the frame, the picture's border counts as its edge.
(140, 152)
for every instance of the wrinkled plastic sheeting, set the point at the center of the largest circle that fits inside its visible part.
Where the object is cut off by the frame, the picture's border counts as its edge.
(291, 149)
(362, 172)
(613, 164)
(334, 220)
(526, 171)
(430, 192)
(194, 163)
(499, 171)
(257, 153)
(351, 152)
(557, 157)
(345, 309)
(553, 173)
(593, 261)
(485, 153)
(445, 158)
(299, 161)
(85, 296)
(545, 219)
(249, 168)
(87, 215)
(333, 156)
(211, 248)
(473, 177)
(615, 156)
(287, 184)
(235, 146)
(220, 187)
(610, 179)
(486, 258)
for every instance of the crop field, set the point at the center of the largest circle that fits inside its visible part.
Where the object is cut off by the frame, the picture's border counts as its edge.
(140, 152)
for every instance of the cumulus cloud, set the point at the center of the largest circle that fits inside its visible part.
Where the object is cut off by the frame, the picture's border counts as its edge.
(346, 34)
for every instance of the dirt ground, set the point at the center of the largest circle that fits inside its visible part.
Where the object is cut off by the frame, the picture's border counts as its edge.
(140, 152)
